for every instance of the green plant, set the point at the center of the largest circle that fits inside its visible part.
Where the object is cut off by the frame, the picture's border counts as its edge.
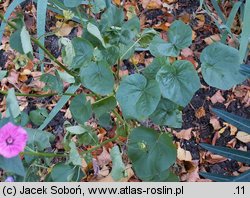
(241, 156)
(93, 61)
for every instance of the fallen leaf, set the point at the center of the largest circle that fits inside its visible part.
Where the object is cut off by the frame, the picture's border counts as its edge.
(151, 4)
(183, 154)
(199, 113)
(104, 158)
(184, 134)
(243, 137)
(215, 122)
(217, 97)
(63, 29)
(211, 39)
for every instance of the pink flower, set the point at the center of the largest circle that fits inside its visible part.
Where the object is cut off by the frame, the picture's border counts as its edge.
(12, 140)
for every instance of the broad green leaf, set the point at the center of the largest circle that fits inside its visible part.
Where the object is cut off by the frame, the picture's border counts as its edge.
(52, 82)
(118, 167)
(111, 55)
(97, 6)
(130, 29)
(13, 109)
(83, 52)
(12, 165)
(221, 66)
(241, 156)
(74, 3)
(151, 70)
(126, 51)
(180, 34)
(74, 156)
(239, 122)
(15, 41)
(146, 37)
(88, 138)
(62, 173)
(80, 109)
(105, 120)
(158, 47)
(98, 77)
(68, 52)
(178, 82)
(138, 97)
(39, 139)
(66, 77)
(38, 116)
(2, 74)
(104, 105)
(77, 130)
(85, 134)
(179, 37)
(167, 113)
(151, 152)
(165, 176)
(113, 16)
(26, 42)
(92, 29)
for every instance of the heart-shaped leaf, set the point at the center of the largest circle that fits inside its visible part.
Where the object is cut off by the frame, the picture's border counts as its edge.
(180, 34)
(158, 47)
(151, 152)
(151, 70)
(179, 37)
(12, 165)
(221, 66)
(83, 52)
(138, 97)
(103, 106)
(80, 109)
(98, 77)
(167, 113)
(178, 81)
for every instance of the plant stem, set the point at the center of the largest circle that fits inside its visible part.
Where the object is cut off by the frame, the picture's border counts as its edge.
(51, 57)
(118, 116)
(99, 145)
(37, 95)
(41, 154)
(43, 95)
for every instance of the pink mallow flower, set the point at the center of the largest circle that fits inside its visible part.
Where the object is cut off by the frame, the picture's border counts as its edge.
(12, 140)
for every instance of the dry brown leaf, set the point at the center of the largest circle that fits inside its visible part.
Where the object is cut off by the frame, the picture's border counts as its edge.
(151, 4)
(187, 52)
(217, 97)
(63, 29)
(104, 172)
(243, 137)
(184, 134)
(209, 40)
(117, 2)
(213, 159)
(215, 122)
(183, 154)
(201, 112)
(104, 158)
(200, 21)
